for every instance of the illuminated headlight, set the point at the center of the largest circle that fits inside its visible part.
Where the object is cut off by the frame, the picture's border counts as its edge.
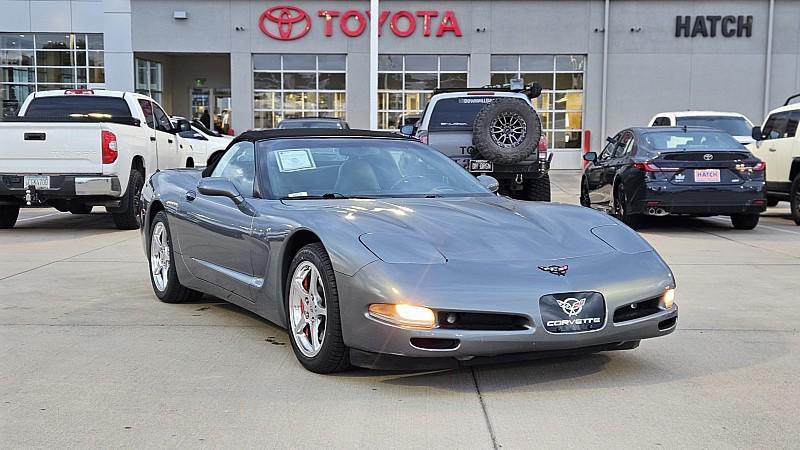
(668, 298)
(404, 315)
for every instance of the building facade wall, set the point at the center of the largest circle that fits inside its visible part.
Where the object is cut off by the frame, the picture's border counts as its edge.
(649, 68)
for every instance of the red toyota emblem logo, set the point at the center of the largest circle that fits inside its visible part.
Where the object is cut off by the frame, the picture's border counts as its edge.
(290, 23)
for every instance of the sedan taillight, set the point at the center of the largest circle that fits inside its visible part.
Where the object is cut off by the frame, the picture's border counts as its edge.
(647, 166)
(757, 167)
(109, 140)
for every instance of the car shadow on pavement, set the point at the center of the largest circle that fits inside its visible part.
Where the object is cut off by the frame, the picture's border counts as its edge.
(66, 221)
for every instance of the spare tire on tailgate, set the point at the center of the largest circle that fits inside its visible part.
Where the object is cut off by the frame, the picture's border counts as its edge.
(506, 131)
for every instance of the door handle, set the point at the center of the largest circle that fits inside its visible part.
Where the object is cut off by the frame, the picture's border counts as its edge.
(169, 140)
(152, 138)
(190, 196)
(773, 149)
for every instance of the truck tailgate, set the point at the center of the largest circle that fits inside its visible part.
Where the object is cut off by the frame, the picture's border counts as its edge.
(455, 144)
(56, 148)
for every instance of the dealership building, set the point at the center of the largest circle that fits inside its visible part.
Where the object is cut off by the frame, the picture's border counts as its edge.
(602, 64)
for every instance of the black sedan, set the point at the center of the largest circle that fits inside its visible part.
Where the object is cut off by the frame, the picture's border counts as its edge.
(662, 171)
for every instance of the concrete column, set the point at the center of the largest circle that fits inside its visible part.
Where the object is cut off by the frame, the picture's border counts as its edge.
(118, 43)
(358, 90)
(242, 91)
(479, 69)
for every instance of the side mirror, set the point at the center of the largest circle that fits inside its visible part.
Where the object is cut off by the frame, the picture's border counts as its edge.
(535, 90)
(489, 183)
(590, 156)
(407, 130)
(183, 125)
(219, 187)
(757, 134)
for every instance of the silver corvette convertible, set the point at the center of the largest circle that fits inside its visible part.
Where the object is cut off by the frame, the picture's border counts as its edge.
(375, 250)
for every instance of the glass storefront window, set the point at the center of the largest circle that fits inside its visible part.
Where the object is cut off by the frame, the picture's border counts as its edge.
(298, 85)
(31, 62)
(148, 78)
(561, 104)
(406, 83)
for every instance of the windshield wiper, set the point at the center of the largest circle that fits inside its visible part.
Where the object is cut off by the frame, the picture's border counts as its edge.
(326, 196)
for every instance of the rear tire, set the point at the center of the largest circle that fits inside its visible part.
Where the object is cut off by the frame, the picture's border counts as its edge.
(621, 209)
(8, 216)
(772, 201)
(794, 200)
(745, 221)
(163, 275)
(331, 355)
(537, 189)
(128, 218)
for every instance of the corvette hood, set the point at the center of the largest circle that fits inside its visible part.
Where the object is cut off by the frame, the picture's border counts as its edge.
(490, 229)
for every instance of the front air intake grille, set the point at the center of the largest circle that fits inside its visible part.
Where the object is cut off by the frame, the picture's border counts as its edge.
(481, 321)
(637, 310)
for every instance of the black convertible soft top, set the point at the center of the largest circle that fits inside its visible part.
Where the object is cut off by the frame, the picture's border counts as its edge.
(259, 135)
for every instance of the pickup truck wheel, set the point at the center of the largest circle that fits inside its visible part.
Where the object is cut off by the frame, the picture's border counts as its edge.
(538, 189)
(80, 209)
(163, 275)
(128, 219)
(744, 221)
(506, 131)
(794, 200)
(8, 216)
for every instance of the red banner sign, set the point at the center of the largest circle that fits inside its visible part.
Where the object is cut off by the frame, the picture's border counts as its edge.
(287, 23)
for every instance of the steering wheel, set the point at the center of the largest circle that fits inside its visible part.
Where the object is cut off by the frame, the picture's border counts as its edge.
(406, 180)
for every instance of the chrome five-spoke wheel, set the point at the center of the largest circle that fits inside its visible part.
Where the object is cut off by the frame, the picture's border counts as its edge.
(308, 312)
(159, 256)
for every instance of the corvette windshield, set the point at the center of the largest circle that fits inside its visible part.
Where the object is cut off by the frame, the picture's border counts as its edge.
(361, 167)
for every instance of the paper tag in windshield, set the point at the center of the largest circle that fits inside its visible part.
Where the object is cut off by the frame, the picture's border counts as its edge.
(294, 160)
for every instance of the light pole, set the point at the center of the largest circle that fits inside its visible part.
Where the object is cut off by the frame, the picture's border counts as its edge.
(374, 14)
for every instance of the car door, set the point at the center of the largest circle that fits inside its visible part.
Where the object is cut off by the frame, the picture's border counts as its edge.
(150, 121)
(199, 143)
(774, 148)
(617, 159)
(599, 192)
(169, 155)
(214, 234)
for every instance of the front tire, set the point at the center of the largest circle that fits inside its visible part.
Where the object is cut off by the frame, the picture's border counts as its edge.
(8, 216)
(745, 221)
(585, 199)
(312, 312)
(128, 218)
(163, 275)
(794, 200)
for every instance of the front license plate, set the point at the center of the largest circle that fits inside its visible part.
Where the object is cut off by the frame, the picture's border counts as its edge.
(480, 165)
(573, 312)
(706, 176)
(38, 181)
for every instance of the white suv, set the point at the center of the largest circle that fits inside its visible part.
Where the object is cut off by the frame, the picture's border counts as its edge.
(778, 144)
(732, 123)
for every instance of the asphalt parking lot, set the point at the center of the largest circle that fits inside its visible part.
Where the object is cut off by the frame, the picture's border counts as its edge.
(90, 358)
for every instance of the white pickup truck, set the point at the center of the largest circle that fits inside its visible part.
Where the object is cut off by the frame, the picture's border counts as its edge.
(78, 148)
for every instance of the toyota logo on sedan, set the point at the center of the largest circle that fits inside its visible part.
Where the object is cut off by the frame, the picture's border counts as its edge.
(284, 23)
(708, 156)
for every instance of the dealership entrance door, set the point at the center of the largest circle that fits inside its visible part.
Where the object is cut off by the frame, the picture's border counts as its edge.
(191, 85)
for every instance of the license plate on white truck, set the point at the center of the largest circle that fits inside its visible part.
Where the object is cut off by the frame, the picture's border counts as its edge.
(37, 181)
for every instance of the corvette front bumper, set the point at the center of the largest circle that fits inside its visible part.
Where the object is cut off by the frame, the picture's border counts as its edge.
(515, 291)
